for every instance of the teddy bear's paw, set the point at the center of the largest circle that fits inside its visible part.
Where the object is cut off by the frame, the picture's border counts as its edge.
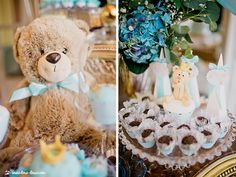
(6, 155)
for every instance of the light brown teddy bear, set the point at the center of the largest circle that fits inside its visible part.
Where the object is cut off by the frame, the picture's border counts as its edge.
(180, 79)
(50, 50)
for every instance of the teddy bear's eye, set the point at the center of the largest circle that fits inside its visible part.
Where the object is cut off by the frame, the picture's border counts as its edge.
(42, 51)
(64, 51)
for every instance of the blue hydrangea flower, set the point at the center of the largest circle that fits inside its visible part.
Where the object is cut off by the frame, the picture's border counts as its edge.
(143, 32)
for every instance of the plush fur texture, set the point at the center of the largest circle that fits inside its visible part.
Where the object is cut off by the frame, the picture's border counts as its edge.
(58, 111)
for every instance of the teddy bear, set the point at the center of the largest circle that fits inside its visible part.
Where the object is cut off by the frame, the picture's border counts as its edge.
(180, 79)
(51, 52)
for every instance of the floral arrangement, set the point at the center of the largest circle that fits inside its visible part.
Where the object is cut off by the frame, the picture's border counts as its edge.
(146, 26)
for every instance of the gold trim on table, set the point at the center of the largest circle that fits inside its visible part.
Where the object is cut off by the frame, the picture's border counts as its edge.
(105, 51)
(224, 167)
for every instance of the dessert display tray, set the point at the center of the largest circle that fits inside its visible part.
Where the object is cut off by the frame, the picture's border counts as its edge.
(176, 160)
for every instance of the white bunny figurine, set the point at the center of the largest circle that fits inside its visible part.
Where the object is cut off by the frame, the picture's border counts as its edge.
(193, 83)
(162, 83)
(217, 77)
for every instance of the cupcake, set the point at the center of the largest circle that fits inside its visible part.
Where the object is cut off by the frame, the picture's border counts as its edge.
(132, 126)
(211, 134)
(147, 131)
(166, 121)
(130, 103)
(201, 119)
(125, 113)
(150, 108)
(223, 128)
(165, 140)
(189, 142)
(183, 126)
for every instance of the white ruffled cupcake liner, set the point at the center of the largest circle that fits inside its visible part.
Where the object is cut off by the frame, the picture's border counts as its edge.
(223, 128)
(163, 148)
(132, 131)
(190, 149)
(202, 113)
(166, 118)
(148, 141)
(211, 139)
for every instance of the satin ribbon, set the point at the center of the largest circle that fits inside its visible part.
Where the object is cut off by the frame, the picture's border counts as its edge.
(73, 83)
(193, 60)
(213, 66)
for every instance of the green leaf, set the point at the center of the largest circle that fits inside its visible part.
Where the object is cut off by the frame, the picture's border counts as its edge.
(213, 26)
(188, 53)
(174, 59)
(167, 53)
(177, 4)
(209, 16)
(212, 10)
(194, 4)
(136, 68)
(181, 29)
(188, 38)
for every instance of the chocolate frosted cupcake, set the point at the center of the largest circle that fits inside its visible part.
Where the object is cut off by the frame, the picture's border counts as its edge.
(189, 141)
(165, 140)
(223, 128)
(166, 121)
(183, 126)
(132, 126)
(149, 108)
(202, 119)
(130, 103)
(125, 113)
(147, 131)
(211, 134)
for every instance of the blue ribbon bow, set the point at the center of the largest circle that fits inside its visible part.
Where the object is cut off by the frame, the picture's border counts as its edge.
(195, 59)
(163, 60)
(213, 66)
(73, 83)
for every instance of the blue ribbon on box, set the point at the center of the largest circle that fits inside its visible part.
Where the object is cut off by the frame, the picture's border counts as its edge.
(213, 66)
(73, 82)
(195, 59)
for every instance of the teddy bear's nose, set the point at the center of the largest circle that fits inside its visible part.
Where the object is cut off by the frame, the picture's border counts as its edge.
(53, 58)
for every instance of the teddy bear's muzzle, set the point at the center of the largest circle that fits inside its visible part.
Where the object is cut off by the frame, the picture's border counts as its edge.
(53, 57)
(54, 66)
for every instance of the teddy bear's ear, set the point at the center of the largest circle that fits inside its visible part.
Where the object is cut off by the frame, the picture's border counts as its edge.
(82, 25)
(175, 68)
(16, 40)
